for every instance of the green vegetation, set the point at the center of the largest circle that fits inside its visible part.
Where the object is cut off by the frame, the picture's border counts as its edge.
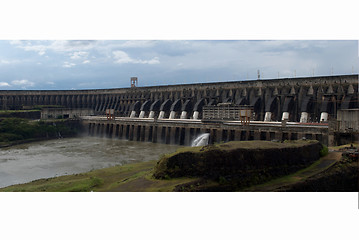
(239, 164)
(127, 178)
(138, 177)
(18, 111)
(324, 151)
(39, 107)
(18, 129)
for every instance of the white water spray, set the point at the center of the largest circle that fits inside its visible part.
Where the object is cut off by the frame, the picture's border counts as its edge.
(201, 140)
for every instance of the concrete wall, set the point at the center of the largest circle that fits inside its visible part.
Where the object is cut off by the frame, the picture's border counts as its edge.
(48, 113)
(348, 121)
(183, 133)
(308, 99)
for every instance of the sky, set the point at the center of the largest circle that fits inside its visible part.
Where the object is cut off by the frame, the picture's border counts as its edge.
(95, 64)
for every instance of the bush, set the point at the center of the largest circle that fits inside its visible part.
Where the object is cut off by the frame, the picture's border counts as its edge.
(12, 129)
(95, 181)
(324, 151)
(7, 137)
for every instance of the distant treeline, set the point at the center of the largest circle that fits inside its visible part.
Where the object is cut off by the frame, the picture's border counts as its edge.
(17, 129)
(29, 114)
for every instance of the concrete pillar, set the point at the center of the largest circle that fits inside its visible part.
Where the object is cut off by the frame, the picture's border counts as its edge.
(182, 135)
(324, 117)
(120, 132)
(142, 114)
(88, 127)
(187, 137)
(103, 128)
(152, 114)
(148, 134)
(137, 133)
(162, 135)
(162, 115)
(219, 135)
(268, 117)
(98, 130)
(257, 135)
(195, 114)
(133, 114)
(183, 115)
(155, 134)
(330, 141)
(130, 137)
(237, 135)
(268, 136)
(285, 116)
(172, 115)
(91, 125)
(304, 117)
(168, 135)
(111, 131)
(173, 135)
(117, 131)
(143, 133)
(213, 135)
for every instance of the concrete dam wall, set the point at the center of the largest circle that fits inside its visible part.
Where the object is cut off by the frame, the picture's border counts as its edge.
(309, 99)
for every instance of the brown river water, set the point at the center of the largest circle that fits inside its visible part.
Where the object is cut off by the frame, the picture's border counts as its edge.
(31, 161)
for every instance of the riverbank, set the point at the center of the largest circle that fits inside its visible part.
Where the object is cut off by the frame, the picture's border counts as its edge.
(15, 131)
(138, 177)
(28, 114)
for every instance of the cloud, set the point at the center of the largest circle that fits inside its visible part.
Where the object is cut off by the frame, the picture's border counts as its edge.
(68, 65)
(79, 55)
(86, 61)
(3, 62)
(23, 83)
(57, 46)
(4, 84)
(137, 44)
(122, 57)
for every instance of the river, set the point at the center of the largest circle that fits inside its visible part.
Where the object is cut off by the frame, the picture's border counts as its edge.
(27, 162)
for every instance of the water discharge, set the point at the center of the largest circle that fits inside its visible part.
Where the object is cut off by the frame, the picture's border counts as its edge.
(27, 162)
(201, 140)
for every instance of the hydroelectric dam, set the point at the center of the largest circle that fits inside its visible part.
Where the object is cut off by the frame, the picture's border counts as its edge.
(286, 108)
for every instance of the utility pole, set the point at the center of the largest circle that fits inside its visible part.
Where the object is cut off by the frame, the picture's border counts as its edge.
(259, 74)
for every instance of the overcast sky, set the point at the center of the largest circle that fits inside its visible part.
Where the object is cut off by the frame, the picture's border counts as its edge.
(110, 64)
